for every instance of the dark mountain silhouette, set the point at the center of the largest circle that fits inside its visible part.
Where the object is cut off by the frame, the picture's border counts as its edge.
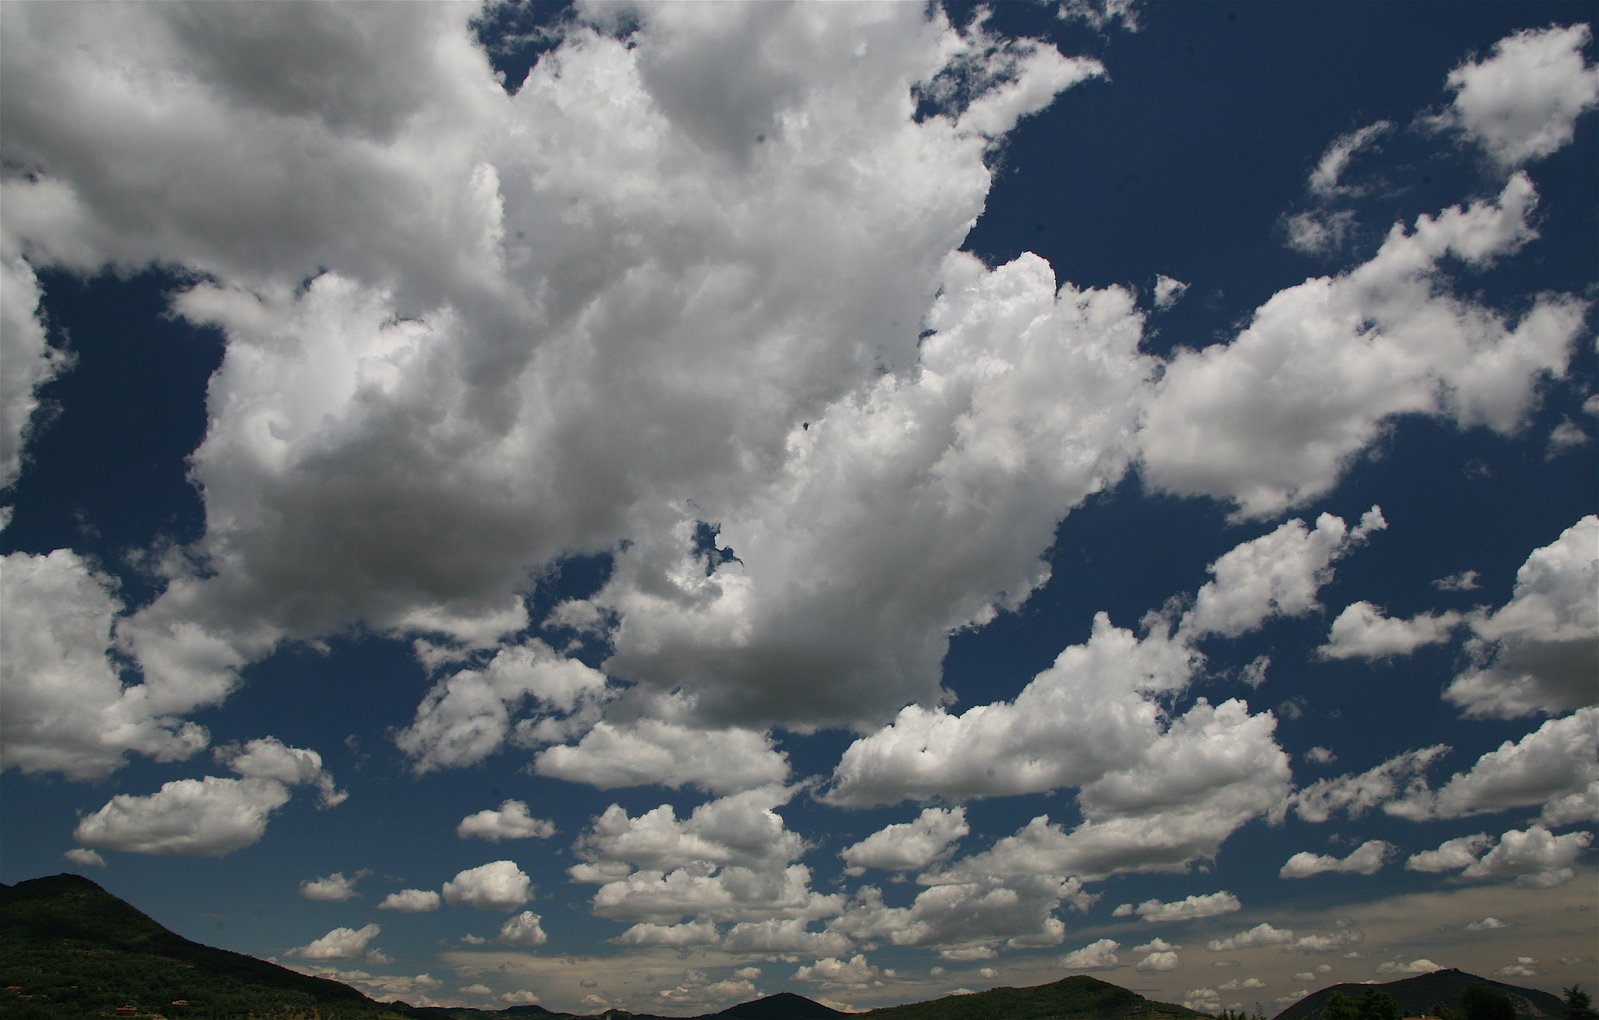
(1078, 996)
(782, 1006)
(1423, 993)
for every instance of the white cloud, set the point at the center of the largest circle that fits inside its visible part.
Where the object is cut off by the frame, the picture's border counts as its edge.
(411, 901)
(1524, 967)
(1277, 574)
(1263, 934)
(966, 919)
(511, 820)
(1521, 103)
(1186, 909)
(1321, 755)
(84, 858)
(910, 845)
(1366, 859)
(30, 360)
(1354, 794)
(1319, 232)
(1422, 966)
(1097, 955)
(523, 930)
(208, 817)
(1452, 854)
(1532, 857)
(338, 944)
(710, 893)
(498, 885)
(786, 937)
(1466, 580)
(1072, 723)
(1553, 766)
(1337, 940)
(468, 716)
(271, 759)
(334, 888)
(63, 707)
(1363, 631)
(1535, 653)
(1487, 924)
(1101, 14)
(852, 973)
(1326, 181)
(677, 936)
(743, 829)
(1272, 419)
(1168, 291)
(1160, 957)
(661, 752)
(660, 181)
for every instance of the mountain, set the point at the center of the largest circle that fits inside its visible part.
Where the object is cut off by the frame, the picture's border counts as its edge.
(1422, 994)
(74, 950)
(1078, 996)
(783, 1006)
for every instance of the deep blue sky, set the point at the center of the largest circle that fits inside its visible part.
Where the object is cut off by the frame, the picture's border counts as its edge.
(351, 369)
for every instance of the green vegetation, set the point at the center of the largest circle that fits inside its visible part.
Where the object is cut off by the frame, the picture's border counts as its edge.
(1078, 996)
(70, 949)
(1441, 994)
(1578, 1005)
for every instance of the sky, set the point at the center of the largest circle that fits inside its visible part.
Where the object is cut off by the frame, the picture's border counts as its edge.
(653, 506)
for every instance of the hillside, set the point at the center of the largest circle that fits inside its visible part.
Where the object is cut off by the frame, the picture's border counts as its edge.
(1421, 994)
(76, 951)
(1079, 996)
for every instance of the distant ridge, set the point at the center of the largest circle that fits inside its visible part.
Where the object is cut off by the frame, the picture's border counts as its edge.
(782, 1006)
(1418, 995)
(1077, 996)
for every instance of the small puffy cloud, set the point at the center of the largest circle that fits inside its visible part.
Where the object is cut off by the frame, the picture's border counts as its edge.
(208, 817)
(1272, 419)
(1187, 909)
(1452, 854)
(1554, 767)
(1158, 961)
(784, 937)
(1326, 181)
(511, 820)
(84, 857)
(1168, 291)
(1361, 631)
(270, 758)
(707, 892)
(1101, 14)
(855, 972)
(498, 885)
(908, 845)
(1356, 793)
(1524, 967)
(1337, 940)
(675, 936)
(411, 901)
(742, 830)
(338, 944)
(1318, 232)
(1097, 955)
(1366, 859)
(660, 752)
(523, 930)
(334, 888)
(966, 918)
(1237, 985)
(1535, 654)
(1410, 967)
(1466, 580)
(1263, 934)
(1521, 103)
(1487, 924)
(1567, 435)
(1320, 755)
(1532, 857)
(1205, 1000)
(468, 715)
(1277, 574)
